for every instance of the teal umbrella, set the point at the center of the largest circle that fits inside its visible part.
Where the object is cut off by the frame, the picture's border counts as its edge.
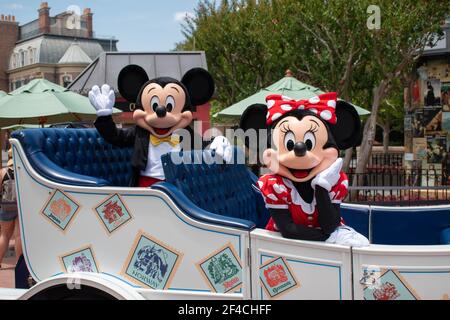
(288, 86)
(23, 126)
(42, 101)
(2, 93)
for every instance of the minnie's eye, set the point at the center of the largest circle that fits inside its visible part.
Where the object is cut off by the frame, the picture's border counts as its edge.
(309, 140)
(170, 103)
(289, 141)
(154, 103)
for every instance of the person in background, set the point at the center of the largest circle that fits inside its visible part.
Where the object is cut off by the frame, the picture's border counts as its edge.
(430, 98)
(8, 210)
(7, 144)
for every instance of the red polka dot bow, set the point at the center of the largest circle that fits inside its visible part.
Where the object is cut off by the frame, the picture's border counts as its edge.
(323, 106)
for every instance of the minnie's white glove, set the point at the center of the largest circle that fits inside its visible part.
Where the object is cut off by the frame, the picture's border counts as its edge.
(329, 177)
(346, 236)
(103, 101)
(223, 148)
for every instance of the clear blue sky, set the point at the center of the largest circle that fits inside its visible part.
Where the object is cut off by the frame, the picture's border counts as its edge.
(139, 25)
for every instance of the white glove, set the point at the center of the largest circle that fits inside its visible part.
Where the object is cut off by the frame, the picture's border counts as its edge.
(346, 236)
(223, 148)
(103, 101)
(329, 177)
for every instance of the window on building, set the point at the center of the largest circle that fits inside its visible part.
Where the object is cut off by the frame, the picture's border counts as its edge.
(14, 60)
(31, 55)
(22, 58)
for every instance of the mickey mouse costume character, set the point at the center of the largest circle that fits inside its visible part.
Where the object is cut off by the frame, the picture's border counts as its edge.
(304, 192)
(163, 106)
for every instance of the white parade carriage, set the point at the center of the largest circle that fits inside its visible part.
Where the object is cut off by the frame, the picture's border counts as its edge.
(199, 235)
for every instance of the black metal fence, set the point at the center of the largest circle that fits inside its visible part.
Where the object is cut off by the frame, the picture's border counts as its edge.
(382, 160)
(392, 177)
(399, 187)
(386, 181)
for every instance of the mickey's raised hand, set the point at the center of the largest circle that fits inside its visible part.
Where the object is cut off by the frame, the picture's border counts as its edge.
(102, 100)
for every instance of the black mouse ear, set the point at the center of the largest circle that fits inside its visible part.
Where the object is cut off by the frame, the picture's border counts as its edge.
(347, 130)
(200, 86)
(254, 117)
(130, 82)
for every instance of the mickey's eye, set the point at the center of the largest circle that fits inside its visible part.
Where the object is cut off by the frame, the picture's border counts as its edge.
(170, 103)
(154, 103)
(289, 141)
(309, 140)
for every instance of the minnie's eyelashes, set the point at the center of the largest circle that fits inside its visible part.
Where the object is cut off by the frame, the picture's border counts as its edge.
(285, 128)
(314, 128)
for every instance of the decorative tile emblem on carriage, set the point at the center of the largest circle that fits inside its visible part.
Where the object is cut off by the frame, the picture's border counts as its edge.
(371, 277)
(389, 286)
(81, 260)
(151, 262)
(222, 270)
(113, 213)
(60, 209)
(277, 278)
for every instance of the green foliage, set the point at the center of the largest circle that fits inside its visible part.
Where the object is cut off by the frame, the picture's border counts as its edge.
(233, 37)
(249, 44)
(391, 113)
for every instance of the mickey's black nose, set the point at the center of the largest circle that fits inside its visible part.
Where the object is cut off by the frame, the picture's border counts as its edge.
(160, 111)
(300, 149)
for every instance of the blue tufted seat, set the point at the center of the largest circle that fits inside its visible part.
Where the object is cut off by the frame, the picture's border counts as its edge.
(357, 217)
(410, 226)
(219, 190)
(76, 157)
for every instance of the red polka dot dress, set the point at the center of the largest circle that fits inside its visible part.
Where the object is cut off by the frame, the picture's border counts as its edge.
(280, 193)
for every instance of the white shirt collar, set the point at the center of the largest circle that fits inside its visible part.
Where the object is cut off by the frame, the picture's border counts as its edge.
(307, 208)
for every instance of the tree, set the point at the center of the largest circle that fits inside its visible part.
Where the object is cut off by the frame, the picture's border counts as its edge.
(249, 45)
(407, 27)
(233, 36)
(328, 44)
(389, 120)
(331, 47)
(391, 114)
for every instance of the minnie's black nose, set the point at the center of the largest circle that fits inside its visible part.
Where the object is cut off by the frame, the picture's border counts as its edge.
(160, 111)
(300, 149)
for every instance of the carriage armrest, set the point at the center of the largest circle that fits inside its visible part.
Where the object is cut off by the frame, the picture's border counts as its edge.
(49, 170)
(445, 236)
(196, 213)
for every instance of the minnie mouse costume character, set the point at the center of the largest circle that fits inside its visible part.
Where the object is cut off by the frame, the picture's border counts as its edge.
(163, 106)
(304, 191)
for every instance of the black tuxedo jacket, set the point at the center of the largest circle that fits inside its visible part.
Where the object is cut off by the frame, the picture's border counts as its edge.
(135, 137)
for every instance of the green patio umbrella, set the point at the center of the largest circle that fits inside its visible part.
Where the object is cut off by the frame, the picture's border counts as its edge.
(42, 101)
(23, 126)
(288, 86)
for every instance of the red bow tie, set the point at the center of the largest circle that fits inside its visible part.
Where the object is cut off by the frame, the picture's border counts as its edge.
(323, 106)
